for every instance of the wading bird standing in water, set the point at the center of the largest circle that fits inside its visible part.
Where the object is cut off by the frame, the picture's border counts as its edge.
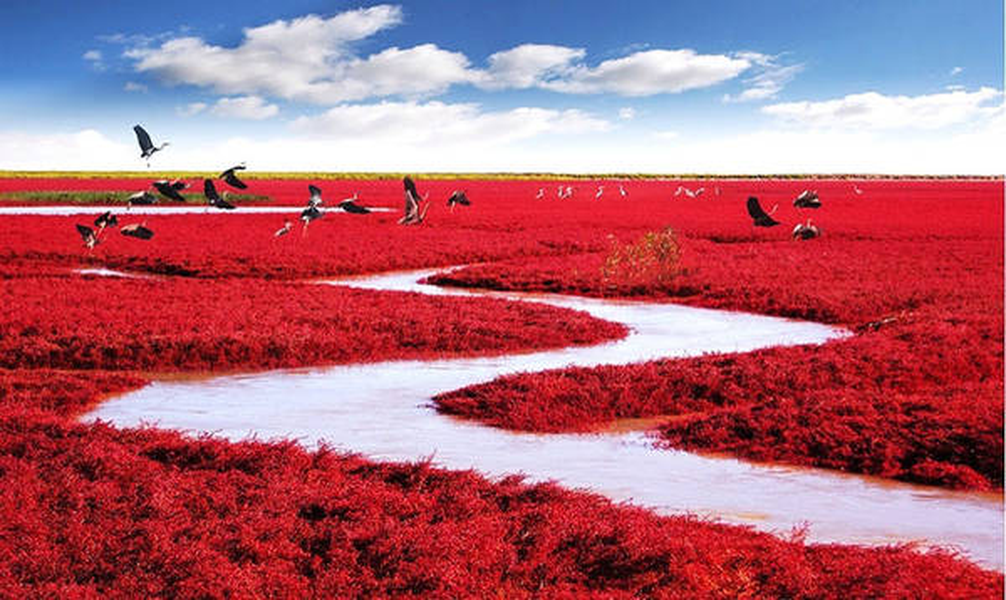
(232, 179)
(210, 191)
(147, 147)
(758, 214)
(414, 212)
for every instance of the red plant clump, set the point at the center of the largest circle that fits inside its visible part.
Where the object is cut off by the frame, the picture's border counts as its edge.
(93, 322)
(90, 510)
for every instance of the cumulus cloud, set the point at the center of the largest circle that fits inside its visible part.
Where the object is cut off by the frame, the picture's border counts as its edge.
(768, 80)
(85, 149)
(311, 59)
(529, 65)
(956, 71)
(418, 123)
(132, 86)
(626, 113)
(872, 110)
(650, 72)
(94, 58)
(244, 107)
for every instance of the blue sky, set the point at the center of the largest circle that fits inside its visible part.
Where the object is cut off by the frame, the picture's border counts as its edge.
(553, 85)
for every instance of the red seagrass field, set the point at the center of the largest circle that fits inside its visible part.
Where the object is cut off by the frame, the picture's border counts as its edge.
(912, 268)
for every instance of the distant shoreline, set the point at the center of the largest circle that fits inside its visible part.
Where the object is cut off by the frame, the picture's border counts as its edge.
(482, 176)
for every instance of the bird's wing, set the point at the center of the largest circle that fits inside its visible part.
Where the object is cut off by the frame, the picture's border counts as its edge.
(143, 138)
(315, 194)
(755, 209)
(233, 180)
(169, 191)
(85, 232)
(210, 191)
(178, 185)
(410, 186)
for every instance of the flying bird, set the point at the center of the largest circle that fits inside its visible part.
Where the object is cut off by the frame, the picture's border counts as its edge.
(141, 198)
(137, 230)
(232, 179)
(599, 193)
(315, 200)
(622, 192)
(688, 192)
(806, 232)
(458, 197)
(540, 194)
(106, 219)
(147, 147)
(414, 212)
(349, 205)
(807, 199)
(761, 218)
(171, 189)
(210, 191)
(87, 234)
(285, 229)
(307, 215)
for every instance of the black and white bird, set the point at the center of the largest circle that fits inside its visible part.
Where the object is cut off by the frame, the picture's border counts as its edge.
(315, 200)
(171, 189)
(137, 230)
(806, 231)
(106, 219)
(414, 211)
(599, 192)
(458, 198)
(807, 199)
(622, 192)
(214, 199)
(147, 147)
(349, 205)
(230, 177)
(141, 198)
(88, 235)
(758, 214)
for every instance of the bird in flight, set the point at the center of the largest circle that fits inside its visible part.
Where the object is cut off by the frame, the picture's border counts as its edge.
(147, 147)
(214, 199)
(349, 205)
(230, 177)
(688, 192)
(141, 198)
(414, 212)
(458, 198)
(807, 199)
(171, 189)
(88, 235)
(758, 214)
(285, 229)
(137, 230)
(806, 232)
(622, 192)
(540, 194)
(599, 192)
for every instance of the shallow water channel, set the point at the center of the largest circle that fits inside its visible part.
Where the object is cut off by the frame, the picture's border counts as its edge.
(382, 410)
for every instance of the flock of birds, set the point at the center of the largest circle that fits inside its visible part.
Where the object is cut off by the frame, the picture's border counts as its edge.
(414, 212)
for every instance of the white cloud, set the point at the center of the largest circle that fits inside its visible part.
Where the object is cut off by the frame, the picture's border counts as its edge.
(404, 123)
(626, 113)
(769, 78)
(244, 107)
(92, 55)
(650, 72)
(193, 108)
(872, 110)
(956, 71)
(132, 86)
(666, 135)
(309, 59)
(529, 65)
(85, 149)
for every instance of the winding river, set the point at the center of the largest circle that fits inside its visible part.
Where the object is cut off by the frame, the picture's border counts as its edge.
(382, 410)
